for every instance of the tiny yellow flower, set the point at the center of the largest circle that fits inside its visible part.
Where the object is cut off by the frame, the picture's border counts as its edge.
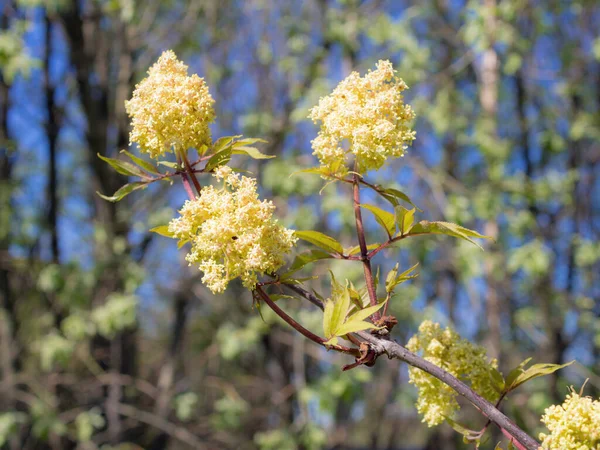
(574, 425)
(169, 110)
(466, 361)
(232, 232)
(366, 117)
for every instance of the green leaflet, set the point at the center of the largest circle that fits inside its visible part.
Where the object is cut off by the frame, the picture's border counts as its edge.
(124, 190)
(386, 219)
(321, 240)
(447, 228)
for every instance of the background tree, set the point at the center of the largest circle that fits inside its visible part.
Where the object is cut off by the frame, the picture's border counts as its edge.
(106, 339)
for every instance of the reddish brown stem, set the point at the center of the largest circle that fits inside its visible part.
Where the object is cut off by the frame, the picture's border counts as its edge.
(296, 326)
(360, 231)
(187, 185)
(190, 172)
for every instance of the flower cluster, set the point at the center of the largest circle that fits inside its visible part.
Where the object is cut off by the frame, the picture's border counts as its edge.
(169, 110)
(369, 115)
(574, 425)
(232, 232)
(467, 362)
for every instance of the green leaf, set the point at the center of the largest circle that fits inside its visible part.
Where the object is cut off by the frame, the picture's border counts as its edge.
(366, 312)
(223, 142)
(460, 428)
(124, 167)
(353, 327)
(513, 374)
(218, 159)
(124, 190)
(393, 195)
(340, 310)
(306, 258)
(497, 380)
(252, 152)
(327, 318)
(404, 218)
(314, 170)
(447, 228)
(321, 240)
(142, 163)
(249, 141)
(356, 249)
(535, 371)
(384, 218)
(163, 230)
(181, 243)
(169, 164)
(392, 280)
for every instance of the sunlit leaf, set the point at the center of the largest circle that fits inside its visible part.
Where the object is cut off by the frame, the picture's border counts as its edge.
(306, 258)
(142, 163)
(535, 371)
(321, 240)
(384, 218)
(404, 219)
(124, 167)
(447, 228)
(124, 190)
(163, 230)
(218, 159)
(252, 152)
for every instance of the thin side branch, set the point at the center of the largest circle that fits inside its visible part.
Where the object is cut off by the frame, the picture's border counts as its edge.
(394, 350)
(360, 231)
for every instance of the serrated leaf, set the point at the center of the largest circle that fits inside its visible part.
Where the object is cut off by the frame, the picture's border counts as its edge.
(340, 310)
(124, 191)
(163, 230)
(353, 327)
(252, 152)
(356, 249)
(305, 258)
(393, 195)
(404, 219)
(223, 142)
(169, 164)
(384, 218)
(142, 163)
(460, 428)
(124, 167)
(392, 280)
(447, 228)
(365, 312)
(218, 159)
(314, 170)
(497, 380)
(535, 371)
(321, 240)
(327, 318)
(514, 373)
(249, 141)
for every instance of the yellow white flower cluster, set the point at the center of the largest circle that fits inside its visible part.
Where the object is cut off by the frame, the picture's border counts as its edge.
(466, 361)
(369, 116)
(232, 232)
(169, 110)
(574, 425)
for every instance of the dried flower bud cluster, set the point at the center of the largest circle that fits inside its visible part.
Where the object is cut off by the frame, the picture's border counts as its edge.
(369, 116)
(169, 110)
(232, 232)
(466, 361)
(574, 425)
